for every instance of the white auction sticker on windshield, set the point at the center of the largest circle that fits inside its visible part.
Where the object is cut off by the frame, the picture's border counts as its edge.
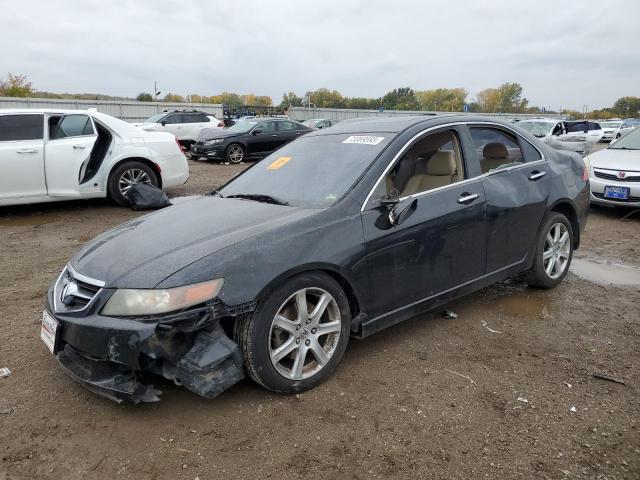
(364, 139)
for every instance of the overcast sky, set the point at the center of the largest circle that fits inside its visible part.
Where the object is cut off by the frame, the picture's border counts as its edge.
(565, 54)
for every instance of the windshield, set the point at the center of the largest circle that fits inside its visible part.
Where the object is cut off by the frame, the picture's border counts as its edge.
(538, 129)
(610, 124)
(631, 141)
(242, 126)
(155, 118)
(311, 171)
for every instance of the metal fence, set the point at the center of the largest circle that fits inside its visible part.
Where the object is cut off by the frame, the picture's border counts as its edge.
(134, 111)
(127, 110)
(303, 113)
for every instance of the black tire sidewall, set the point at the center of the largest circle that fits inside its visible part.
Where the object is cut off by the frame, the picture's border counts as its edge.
(227, 153)
(114, 179)
(538, 276)
(257, 344)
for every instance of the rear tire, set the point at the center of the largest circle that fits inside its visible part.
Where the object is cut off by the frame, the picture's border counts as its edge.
(553, 254)
(126, 175)
(287, 351)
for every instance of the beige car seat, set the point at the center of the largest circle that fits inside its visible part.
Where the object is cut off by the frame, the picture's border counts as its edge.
(495, 154)
(437, 171)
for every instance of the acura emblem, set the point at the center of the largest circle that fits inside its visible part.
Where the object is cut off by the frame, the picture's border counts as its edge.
(621, 174)
(68, 293)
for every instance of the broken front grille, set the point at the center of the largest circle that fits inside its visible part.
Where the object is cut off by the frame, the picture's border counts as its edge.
(74, 292)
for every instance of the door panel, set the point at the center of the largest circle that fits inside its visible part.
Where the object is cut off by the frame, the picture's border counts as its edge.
(439, 246)
(265, 141)
(22, 156)
(66, 151)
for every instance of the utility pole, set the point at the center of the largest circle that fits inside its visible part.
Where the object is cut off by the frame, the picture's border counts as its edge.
(156, 92)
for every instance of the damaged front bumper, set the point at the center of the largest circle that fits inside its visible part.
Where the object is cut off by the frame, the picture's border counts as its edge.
(117, 357)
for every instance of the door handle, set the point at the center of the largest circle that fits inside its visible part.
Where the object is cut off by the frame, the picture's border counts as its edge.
(79, 147)
(536, 175)
(28, 150)
(466, 198)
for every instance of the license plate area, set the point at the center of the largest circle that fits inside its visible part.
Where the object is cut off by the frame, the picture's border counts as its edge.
(49, 331)
(618, 193)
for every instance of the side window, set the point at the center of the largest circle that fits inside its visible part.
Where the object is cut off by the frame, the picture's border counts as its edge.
(495, 148)
(594, 126)
(286, 126)
(21, 127)
(267, 127)
(577, 127)
(433, 161)
(72, 126)
(173, 119)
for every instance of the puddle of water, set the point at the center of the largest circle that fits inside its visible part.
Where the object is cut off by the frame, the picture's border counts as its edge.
(523, 305)
(34, 220)
(605, 272)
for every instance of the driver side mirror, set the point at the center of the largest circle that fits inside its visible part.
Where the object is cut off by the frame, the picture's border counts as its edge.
(401, 211)
(163, 123)
(257, 131)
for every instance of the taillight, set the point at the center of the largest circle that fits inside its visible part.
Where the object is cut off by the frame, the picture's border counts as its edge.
(220, 124)
(585, 173)
(178, 143)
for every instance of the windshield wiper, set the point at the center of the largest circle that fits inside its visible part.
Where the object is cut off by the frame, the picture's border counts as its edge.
(215, 193)
(259, 197)
(622, 148)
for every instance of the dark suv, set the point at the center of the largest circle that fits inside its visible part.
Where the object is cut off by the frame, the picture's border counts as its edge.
(248, 139)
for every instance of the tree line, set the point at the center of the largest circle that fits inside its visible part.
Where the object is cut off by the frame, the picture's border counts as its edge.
(506, 98)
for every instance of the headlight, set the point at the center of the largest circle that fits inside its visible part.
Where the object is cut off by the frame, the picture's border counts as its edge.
(215, 141)
(127, 302)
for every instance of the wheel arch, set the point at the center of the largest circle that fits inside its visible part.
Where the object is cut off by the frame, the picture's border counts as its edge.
(566, 207)
(154, 166)
(331, 270)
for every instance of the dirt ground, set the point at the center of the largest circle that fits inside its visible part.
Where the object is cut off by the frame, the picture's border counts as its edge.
(504, 391)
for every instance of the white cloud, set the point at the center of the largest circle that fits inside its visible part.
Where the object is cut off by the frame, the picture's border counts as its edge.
(570, 54)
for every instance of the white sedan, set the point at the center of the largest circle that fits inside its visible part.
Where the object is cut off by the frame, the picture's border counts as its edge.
(615, 172)
(50, 155)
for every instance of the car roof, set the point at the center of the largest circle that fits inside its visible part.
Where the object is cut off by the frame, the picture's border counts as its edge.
(43, 110)
(401, 123)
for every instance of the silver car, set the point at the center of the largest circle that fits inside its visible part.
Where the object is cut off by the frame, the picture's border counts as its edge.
(614, 172)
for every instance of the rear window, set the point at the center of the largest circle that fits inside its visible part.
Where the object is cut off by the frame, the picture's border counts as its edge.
(21, 127)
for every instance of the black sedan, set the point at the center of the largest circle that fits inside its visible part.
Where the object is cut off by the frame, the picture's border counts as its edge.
(249, 139)
(339, 234)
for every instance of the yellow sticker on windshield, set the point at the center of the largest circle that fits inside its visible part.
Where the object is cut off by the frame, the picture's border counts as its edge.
(276, 164)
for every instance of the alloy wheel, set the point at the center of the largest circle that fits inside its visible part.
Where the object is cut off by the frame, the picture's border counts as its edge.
(304, 333)
(557, 250)
(131, 177)
(236, 154)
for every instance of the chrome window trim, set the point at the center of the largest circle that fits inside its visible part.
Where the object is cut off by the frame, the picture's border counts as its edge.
(436, 127)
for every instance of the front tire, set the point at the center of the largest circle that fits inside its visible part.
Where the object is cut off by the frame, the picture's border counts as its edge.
(297, 336)
(235, 153)
(125, 176)
(554, 251)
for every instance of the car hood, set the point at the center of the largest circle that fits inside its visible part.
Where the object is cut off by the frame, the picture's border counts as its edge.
(218, 133)
(143, 252)
(616, 159)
